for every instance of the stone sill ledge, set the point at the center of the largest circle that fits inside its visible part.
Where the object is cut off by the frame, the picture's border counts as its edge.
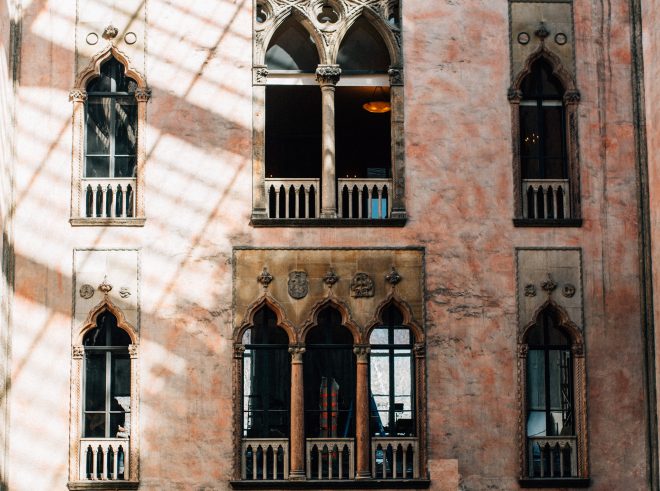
(555, 482)
(334, 484)
(328, 222)
(102, 485)
(107, 222)
(532, 222)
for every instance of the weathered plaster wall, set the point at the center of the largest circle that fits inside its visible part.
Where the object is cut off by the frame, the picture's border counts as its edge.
(198, 202)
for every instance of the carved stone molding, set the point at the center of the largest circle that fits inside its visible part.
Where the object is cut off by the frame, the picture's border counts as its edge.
(143, 94)
(133, 350)
(297, 353)
(77, 351)
(124, 292)
(393, 277)
(298, 284)
(330, 278)
(362, 286)
(362, 353)
(328, 74)
(77, 95)
(259, 75)
(578, 350)
(265, 278)
(110, 32)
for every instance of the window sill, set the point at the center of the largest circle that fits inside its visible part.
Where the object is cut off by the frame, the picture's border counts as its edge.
(551, 222)
(107, 222)
(102, 485)
(328, 222)
(334, 484)
(555, 482)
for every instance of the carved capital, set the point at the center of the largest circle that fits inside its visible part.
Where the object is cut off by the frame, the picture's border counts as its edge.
(328, 74)
(78, 95)
(396, 76)
(259, 75)
(523, 349)
(578, 350)
(77, 352)
(297, 353)
(133, 350)
(239, 349)
(572, 97)
(362, 353)
(514, 95)
(419, 350)
(142, 95)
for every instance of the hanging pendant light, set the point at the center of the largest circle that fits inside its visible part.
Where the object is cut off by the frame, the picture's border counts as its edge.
(377, 104)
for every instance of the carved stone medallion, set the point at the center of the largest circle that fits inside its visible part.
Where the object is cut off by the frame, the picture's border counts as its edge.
(568, 290)
(530, 290)
(298, 284)
(86, 291)
(124, 292)
(362, 286)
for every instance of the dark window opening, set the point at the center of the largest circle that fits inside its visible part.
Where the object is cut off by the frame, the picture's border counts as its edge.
(391, 372)
(111, 123)
(266, 378)
(363, 49)
(329, 379)
(542, 125)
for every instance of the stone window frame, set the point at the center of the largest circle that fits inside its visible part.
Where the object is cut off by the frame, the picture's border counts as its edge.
(571, 101)
(78, 393)
(361, 335)
(328, 41)
(78, 96)
(579, 397)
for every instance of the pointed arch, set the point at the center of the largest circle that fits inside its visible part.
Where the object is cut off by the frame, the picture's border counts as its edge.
(558, 69)
(106, 306)
(289, 14)
(564, 323)
(346, 318)
(265, 300)
(93, 69)
(385, 31)
(406, 312)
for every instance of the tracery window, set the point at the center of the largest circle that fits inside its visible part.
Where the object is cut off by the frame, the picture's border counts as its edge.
(108, 126)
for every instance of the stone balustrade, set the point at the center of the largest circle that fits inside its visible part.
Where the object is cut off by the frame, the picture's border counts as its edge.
(265, 459)
(330, 458)
(104, 459)
(552, 456)
(394, 458)
(545, 199)
(293, 198)
(108, 198)
(364, 198)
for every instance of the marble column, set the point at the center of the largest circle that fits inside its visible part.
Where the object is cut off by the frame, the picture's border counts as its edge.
(362, 442)
(327, 76)
(297, 441)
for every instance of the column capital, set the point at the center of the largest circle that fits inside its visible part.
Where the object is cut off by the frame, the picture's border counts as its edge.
(362, 353)
(133, 351)
(259, 74)
(297, 351)
(77, 352)
(328, 75)
(419, 350)
(239, 349)
(78, 95)
(143, 95)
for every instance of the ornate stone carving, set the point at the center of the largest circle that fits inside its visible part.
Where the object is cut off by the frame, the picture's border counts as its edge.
(362, 353)
(330, 278)
(568, 290)
(362, 286)
(572, 96)
(297, 353)
(578, 350)
(549, 285)
(298, 284)
(393, 277)
(561, 38)
(78, 95)
(530, 290)
(133, 350)
(328, 74)
(523, 349)
(124, 292)
(105, 287)
(77, 352)
(265, 278)
(514, 95)
(130, 38)
(110, 32)
(239, 349)
(541, 31)
(142, 94)
(396, 76)
(86, 291)
(259, 75)
(523, 38)
(419, 350)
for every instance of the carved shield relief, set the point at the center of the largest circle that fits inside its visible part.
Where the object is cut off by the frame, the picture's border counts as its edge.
(298, 284)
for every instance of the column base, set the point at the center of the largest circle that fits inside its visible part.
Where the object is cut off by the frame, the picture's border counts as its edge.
(363, 475)
(297, 476)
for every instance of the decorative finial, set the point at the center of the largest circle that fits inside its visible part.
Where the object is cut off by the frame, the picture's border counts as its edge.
(549, 285)
(265, 278)
(110, 32)
(393, 277)
(330, 278)
(541, 31)
(105, 287)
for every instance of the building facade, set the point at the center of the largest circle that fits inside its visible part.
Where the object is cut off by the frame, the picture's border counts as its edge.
(329, 244)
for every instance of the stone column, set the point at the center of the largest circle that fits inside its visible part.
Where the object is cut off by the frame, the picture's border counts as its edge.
(398, 193)
(259, 201)
(297, 432)
(362, 442)
(142, 96)
(77, 357)
(78, 97)
(327, 76)
(515, 96)
(419, 351)
(134, 435)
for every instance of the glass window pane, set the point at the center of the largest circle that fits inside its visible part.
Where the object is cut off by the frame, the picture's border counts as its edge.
(94, 381)
(379, 336)
(553, 132)
(402, 336)
(97, 167)
(119, 425)
(125, 127)
(380, 375)
(98, 129)
(292, 48)
(536, 423)
(536, 379)
(529, 131)
(363, 49)
(403, 376)
(95, 425)
(125, 166)
(120, 389)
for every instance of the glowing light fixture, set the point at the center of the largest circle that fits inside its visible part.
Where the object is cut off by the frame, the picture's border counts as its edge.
(377, 104)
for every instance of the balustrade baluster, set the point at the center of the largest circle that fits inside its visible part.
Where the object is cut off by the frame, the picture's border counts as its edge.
(297, 203)
(360, 191)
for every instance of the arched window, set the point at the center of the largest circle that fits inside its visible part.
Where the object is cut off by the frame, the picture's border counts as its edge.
(107, 400)
(553, 445)
(266, 374)
(392, 398)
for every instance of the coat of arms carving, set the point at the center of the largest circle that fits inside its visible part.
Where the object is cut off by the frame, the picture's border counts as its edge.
(298, 285)
(362, 286)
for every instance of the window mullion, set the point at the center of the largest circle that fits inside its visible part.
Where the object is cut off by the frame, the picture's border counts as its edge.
(108, 381)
